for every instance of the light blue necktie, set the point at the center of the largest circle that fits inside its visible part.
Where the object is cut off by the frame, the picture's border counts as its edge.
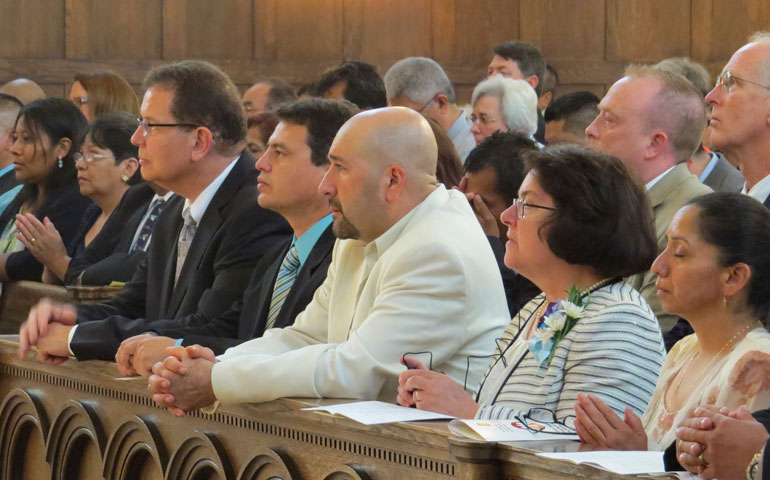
(283, 283)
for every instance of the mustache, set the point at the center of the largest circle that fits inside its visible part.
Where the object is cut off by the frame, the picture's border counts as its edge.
(335, 204)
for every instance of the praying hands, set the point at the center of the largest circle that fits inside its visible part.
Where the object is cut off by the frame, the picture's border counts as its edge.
(182, 381)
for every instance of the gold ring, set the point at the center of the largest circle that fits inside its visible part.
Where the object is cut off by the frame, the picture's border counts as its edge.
(32, 240)
(417, 395)
(679, 444)
(702, 460)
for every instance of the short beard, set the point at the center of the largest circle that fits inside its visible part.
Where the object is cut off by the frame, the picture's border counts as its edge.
(343, 229)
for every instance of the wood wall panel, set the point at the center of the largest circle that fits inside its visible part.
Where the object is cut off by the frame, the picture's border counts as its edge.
(385, 31)
(647, 30)
(464, 32)
(206, 29)
(558, 35)
(719, 27)
(32, 28)
(588, 41)
(110, 29)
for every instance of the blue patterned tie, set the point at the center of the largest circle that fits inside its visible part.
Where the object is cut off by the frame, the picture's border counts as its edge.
(145, 234)
(283, 283)
(185, 239)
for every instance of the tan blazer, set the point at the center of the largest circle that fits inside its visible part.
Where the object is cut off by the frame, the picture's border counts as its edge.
(667, 196)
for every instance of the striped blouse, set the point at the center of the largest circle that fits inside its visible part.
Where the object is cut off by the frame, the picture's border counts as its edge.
(615, 351)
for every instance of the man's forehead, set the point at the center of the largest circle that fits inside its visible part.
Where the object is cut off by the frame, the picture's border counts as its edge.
(629, 94)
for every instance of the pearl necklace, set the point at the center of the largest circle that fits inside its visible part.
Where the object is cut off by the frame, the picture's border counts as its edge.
(713, 359)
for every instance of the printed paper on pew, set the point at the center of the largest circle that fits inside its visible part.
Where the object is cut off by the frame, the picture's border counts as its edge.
(622, 462)
(374, 412)
(511, 430)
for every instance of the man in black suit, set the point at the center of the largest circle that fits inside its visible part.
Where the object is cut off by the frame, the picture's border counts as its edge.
(208, 238)
(290, 171)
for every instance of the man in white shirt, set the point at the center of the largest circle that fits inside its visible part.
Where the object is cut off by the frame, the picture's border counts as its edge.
(739, 124)
(411, 273)
(652, 120)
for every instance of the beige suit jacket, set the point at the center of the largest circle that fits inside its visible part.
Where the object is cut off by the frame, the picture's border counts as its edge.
(430, 283)
(667, 196)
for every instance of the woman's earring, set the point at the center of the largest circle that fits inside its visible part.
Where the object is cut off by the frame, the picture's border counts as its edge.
(125, 178)
(724, 301)
(61, 163)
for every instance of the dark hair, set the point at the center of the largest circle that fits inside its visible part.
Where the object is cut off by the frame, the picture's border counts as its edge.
(577, 109)
(204, 95)
(602, 217)
(527, 57)
(280, 92)
(113, 132)
(549, 81)
(449, 167)
(322, 118)
(59, 119)
(364, 86)
(265, 122)
(9, 101)
(504, 152)
(108, 92)
(739, 227)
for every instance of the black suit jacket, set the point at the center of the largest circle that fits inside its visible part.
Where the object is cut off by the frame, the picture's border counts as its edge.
(106, 259)
(232, 235)
(8, 181)
(246, 319)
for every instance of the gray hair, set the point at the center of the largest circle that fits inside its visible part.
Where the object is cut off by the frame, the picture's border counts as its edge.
(689, 69)
(419, 79)
(518, 102)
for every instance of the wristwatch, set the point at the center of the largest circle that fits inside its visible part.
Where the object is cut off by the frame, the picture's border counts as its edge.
(753, 469)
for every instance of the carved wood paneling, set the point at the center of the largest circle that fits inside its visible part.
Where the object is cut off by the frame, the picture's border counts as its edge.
(32, 29)
(206, 29)
(201, 456)
(647, 30)
(135, 450)
(76, 442)
(348, 472)
(269, 465)
(23, 429)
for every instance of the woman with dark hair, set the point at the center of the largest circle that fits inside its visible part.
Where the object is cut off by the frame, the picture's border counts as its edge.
(715, 273)
(46, 136)
(580, 223)
(106, 166)
(97, 93)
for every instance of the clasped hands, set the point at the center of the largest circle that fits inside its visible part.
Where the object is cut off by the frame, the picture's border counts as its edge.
(47, 327)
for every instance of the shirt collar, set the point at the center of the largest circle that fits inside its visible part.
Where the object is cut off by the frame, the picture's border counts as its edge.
(655, 180)
(199, 206)
(710, 167)
(760, 191)
(6, 170)
(305, 243)
(462, 123)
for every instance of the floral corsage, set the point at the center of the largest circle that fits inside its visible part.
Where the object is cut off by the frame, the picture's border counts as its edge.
(556, 326)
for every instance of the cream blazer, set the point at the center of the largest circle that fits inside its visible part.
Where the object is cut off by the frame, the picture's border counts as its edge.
(429, 283)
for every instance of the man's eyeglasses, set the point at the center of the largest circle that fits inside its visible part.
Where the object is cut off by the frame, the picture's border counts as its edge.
(521, 204)
(148, 127)
(426, 104)
(90, 157)
(726, 80)
(79, 101)
(482, 119)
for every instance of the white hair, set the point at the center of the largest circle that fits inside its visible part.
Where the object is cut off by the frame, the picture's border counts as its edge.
(419, 79)
(518, 102)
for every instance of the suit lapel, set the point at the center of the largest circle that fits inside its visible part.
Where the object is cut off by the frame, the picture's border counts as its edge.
(210, 223)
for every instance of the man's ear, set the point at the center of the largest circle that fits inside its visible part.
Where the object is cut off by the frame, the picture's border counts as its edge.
(394, 179)
(204, 142)
(533, 81)
(658, 143)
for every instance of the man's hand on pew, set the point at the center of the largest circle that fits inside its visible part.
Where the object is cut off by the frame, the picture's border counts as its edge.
(182, 381)
(53, 346)
(46, 311)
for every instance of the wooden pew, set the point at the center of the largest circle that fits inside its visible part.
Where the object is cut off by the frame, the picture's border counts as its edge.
(76, 421)
(18, 297)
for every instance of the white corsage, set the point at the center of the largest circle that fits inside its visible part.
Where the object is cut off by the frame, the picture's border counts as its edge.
(556, 326)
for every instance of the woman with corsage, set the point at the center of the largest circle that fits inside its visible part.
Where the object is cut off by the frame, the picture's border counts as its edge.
(581, 222)
(715, 273)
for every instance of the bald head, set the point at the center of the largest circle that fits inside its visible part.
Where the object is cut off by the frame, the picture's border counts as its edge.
(24, 89)
(394, 135)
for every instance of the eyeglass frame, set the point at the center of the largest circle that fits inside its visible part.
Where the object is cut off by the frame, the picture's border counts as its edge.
(727, 84)
(481, 120)
(519, 204)
(92, 156)
(145, 125)
(79, 101)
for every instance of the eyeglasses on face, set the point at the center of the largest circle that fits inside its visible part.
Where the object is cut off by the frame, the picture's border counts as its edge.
(147, 127)
(726, 80)
(482, 119)
(89, 157)
(521, 204)
(79, 101)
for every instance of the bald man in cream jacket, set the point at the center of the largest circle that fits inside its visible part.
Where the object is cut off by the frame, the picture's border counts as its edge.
(411, 272)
